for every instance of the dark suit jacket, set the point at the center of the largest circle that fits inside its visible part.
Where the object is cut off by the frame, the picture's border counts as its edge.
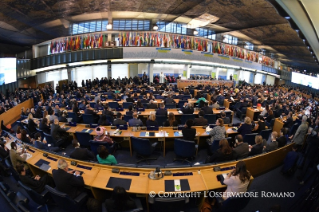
(188, 110)
(119, 122)
(161, 112)
(245, 129)
(129, 99)
(38, 113)
(189, 133)
(57, 132)
(218, 156)
(226, 120)
(32, 126)
(82, 154)
(207, 110)
(281, 141)
(169, 101)
(45, 128)
(36, 185)
(68, 183)
(129, 113)
(242, 150)
(288, 123)
(256, 149)
(201, 121)
(151, 123)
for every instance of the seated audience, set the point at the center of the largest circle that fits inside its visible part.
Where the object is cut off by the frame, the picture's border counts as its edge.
(188, 108)
(119, 120)
(103, 121)
(200, 121)
(43, 144)
(237, 181)
(18, 132)
(224, 153)
(134, 121)
(17, 158)
(81, 153)
(241, 148)
(273, 145)
(45, 126)
(36, 183)
(189, 133)
(32, 126)
(161, 111)
(218, 132)
(151, 121)
(225, 119)
(258, 147)
(101, 136)
(171, 122)
(104, 157)
(282, 140)
(25, 137)
(60, 134)
(245, 128)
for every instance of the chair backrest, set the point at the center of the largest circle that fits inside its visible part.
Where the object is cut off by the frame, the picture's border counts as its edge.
(109, 118)
(211, 118)
(184, 148)
(127, 104)
(127, 118)
(160, 120)
(41, 132)
(27, 129)
(14, 172)
(83, 138)
(185, 117)
(49, 139)
(272, 122)
(214, 146)
(250, 138)
(141, 146)
(235, 203)
(172, 105)
(62, 199)
(88, 119)
(181, 103)
(35, 196)
(94, 145)
(159, 204)
(265, 133)
(113, 104)
(73, 116)
(92, 104)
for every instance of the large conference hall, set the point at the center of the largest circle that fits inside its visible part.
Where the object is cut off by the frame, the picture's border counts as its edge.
(159, 105)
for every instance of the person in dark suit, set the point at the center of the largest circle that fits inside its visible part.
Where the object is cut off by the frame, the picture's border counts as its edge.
(107, 112)
(68, 181)
(273, 145)
(38, 112)
(130, 111)
(241, 148)
(289, 122)
(169, 100)
(282, 141)
(63, 116)
(225, 119)
(258, 147)
(200, 121)
(103, 121)
(43, 144)
(189, 133)
(188, 108)
(144, 100)
(31, 124)
(129, 98)
(45, 126)
(81, 153)
(161, 111)
(224, 153)
(120, 200)
(206, 109)
(119, 120)
(58, 133)
(36, 183)
(88, 110)
(245, 128)
(152, 105)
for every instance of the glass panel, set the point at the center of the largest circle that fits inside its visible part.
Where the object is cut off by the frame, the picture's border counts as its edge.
(98, 26)
(75, 29)
(86, 27)
(92, 26)
(104, 24)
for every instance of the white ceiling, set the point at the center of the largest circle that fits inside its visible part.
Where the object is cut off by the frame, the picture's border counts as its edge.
(295, 10)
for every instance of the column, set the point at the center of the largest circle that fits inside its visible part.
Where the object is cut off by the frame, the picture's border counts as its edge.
(188, 69)
(150, 71)
(109, 70)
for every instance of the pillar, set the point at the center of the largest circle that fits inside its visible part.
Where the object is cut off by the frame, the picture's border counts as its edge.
(150, 71)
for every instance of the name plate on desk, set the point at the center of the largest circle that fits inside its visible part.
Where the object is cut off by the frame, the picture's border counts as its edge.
(183, 174)
(72, 124)
(84, 167)
(170, 185)
(130, 173)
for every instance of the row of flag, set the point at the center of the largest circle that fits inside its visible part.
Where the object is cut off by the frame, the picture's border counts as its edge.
(155, 39)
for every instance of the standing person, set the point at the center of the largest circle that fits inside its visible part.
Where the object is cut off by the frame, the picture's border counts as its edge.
(162, 80)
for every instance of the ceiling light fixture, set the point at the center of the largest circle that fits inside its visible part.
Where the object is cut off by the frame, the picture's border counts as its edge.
(109, 26)
(155, 27)
(195, 32)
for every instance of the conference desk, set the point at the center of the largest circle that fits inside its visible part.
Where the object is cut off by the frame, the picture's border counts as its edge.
(185, 83)
(202, 178)
(253, 113)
